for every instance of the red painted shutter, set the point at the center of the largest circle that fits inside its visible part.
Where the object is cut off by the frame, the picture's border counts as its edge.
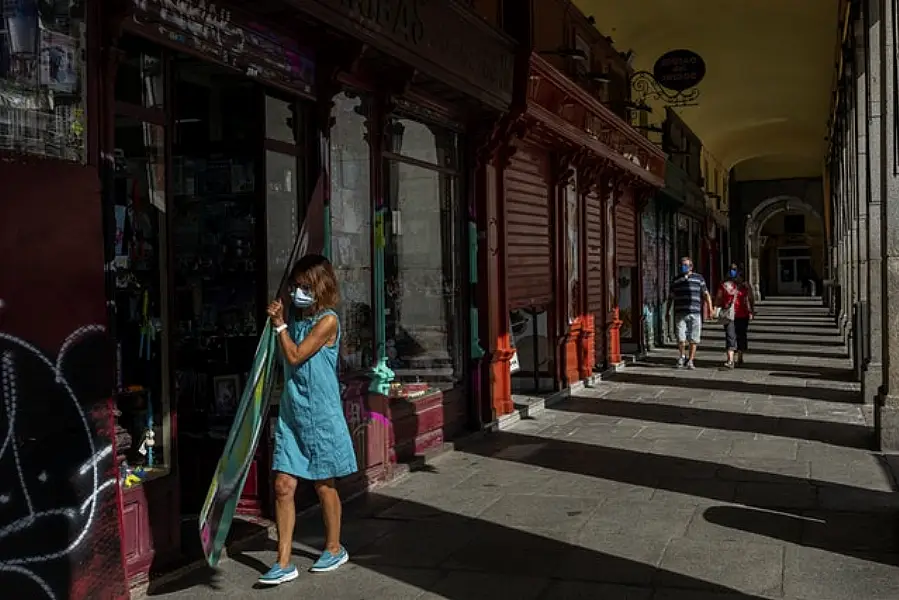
(528, 231)
(626, 237)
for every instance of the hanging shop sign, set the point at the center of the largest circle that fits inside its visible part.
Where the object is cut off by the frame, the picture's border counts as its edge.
(441, 39)
(679, 70)
(226, 37)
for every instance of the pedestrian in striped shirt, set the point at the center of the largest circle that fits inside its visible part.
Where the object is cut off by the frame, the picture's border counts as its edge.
(688, 294)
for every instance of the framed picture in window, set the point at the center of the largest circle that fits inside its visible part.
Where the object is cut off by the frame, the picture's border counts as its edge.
(227, 393)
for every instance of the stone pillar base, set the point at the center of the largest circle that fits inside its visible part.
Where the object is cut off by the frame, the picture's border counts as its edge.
(886, 423)
(872, 378)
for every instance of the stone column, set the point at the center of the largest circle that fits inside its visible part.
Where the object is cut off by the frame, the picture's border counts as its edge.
(873, 373)
(851, 221)
(861, 153)
(887, 415)
(852, 218)
(842, 246)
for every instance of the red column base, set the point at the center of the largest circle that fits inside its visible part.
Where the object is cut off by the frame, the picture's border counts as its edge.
(501, 382)
(586, 350)
(614, 329)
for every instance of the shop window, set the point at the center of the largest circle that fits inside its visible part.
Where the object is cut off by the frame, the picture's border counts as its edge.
(143, 429)
(574, 251)
(627, 308)
(139, 76)
(432, 145)
(423, 251)
(351, 226)
(284, 160)
(42, 87)
(280, 120)
(217, 252)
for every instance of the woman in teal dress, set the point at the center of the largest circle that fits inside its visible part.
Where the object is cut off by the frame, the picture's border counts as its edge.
(312, 439)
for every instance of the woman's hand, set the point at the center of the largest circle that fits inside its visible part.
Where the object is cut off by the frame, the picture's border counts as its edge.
(276, 313)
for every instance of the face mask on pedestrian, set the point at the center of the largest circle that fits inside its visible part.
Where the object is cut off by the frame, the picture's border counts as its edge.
(732, 273)
(302, 298)
(685, 268)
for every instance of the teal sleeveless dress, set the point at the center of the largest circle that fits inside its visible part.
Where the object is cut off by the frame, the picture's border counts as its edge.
(312, 438)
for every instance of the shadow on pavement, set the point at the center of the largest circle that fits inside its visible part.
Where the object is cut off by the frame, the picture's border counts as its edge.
(837, 434)
(416, 547)
(758, 363)
(772, 498)
(743, 387)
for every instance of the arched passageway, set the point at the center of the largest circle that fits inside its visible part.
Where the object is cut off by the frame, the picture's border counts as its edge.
(785, 247)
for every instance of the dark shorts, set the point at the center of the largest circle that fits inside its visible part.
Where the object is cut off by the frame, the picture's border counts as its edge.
(735, 335)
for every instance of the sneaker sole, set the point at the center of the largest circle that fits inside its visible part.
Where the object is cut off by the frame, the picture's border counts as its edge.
(280, 580)
(344, 560)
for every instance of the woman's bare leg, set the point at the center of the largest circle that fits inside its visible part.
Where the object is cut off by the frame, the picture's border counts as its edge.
(285, 515)
(331, 513)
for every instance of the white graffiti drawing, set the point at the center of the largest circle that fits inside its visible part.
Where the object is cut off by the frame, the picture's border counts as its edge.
(78, 518)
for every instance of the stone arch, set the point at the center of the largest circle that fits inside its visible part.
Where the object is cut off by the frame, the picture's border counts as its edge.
(755, 222)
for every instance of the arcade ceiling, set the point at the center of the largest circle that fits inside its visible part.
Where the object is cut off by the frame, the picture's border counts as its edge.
(765, 100)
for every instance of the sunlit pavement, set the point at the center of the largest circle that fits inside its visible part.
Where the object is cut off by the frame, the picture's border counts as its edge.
(662, 484)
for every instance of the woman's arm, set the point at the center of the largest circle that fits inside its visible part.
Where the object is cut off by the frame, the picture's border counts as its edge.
(322, 332)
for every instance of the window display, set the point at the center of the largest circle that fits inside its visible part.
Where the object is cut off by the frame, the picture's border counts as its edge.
(423, 246)
(139, 76)
(217, 252)
(143, 430)
(42, 78)
(351, 225)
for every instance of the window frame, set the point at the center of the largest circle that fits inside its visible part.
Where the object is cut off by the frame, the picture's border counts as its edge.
(459, 183)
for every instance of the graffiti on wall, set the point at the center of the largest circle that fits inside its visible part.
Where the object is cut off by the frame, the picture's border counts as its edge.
(358, 416)
(59, 538)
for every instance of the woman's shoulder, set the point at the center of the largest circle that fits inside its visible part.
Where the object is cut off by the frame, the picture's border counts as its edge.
(327, 313)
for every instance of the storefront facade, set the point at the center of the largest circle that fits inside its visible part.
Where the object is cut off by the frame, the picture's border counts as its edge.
(194, 146)
(566, 178)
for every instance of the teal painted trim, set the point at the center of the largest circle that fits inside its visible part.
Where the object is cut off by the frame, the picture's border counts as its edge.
(326, 250)
(381, 375)
(472, 252)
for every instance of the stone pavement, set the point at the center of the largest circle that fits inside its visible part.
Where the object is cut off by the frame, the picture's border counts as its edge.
(662, 484)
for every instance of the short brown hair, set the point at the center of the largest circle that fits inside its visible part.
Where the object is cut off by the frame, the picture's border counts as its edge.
(315, 273)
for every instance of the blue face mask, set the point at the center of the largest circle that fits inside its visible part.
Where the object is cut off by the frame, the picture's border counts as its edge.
(301, 298)
(732, 273)
(685, 269)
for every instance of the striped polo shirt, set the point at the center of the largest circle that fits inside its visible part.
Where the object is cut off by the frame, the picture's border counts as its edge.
(688, 292)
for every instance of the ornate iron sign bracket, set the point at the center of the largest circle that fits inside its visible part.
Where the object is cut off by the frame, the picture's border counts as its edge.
(646, 87)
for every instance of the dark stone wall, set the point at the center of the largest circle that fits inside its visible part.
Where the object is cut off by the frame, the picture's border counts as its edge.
(745, 196)
(58, 480)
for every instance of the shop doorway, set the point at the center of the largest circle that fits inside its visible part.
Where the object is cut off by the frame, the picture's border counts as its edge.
(205, 203)
(794, 267)
(532, 366)
(628, 307)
